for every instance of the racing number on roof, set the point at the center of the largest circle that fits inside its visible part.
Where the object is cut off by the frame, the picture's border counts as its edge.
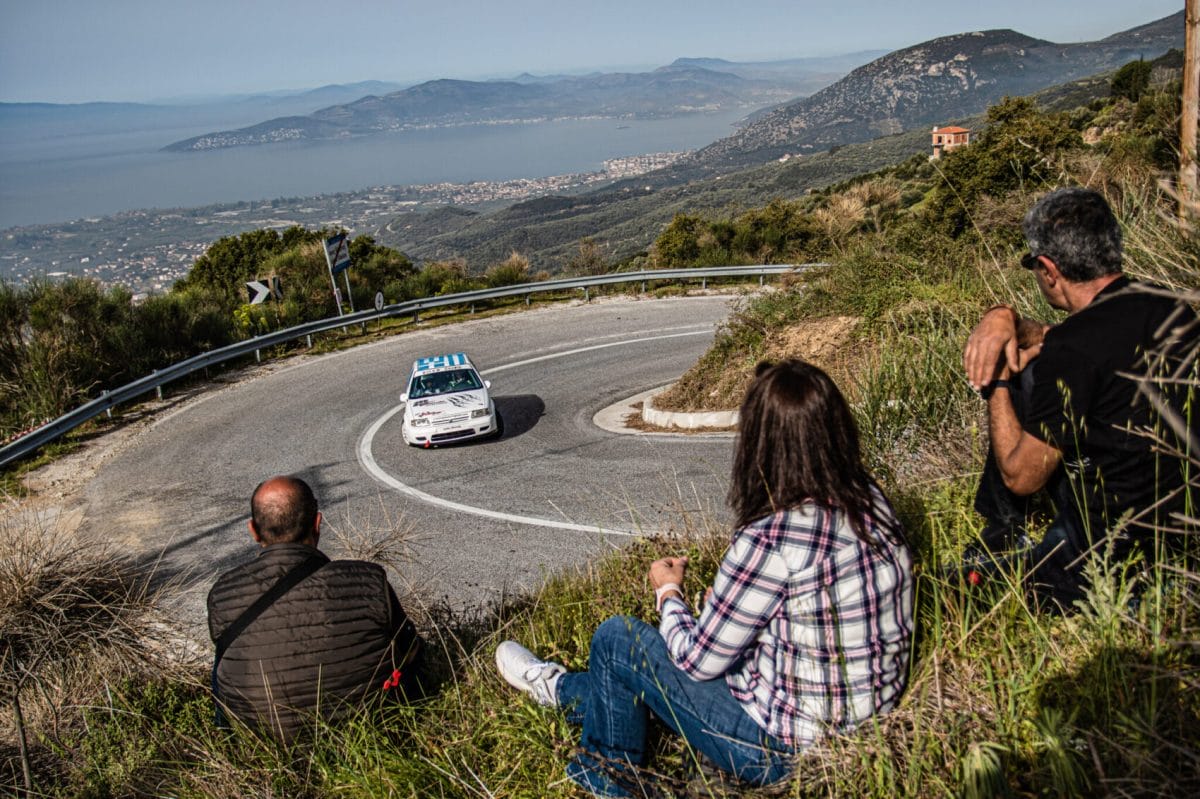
(441, 361)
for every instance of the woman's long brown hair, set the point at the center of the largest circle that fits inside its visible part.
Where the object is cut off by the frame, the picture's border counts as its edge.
(797, 442)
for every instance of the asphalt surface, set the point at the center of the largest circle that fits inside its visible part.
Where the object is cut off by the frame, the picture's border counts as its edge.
(484, 518)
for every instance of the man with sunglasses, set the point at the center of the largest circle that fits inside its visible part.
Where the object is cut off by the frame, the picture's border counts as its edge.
(1079, 409)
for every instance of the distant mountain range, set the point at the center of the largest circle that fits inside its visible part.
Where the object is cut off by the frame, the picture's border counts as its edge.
(929, 84)
(174, 117)
(949, 79)
(686, 86)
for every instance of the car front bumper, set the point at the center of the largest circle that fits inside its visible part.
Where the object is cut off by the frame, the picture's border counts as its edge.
(430, 435)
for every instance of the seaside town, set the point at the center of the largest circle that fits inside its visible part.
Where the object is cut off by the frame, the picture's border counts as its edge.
(148, 250)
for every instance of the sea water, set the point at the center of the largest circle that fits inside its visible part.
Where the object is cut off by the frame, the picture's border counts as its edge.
(56, 179)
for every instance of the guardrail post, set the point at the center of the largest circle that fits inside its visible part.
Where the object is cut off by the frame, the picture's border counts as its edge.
(258, 356)
(416, 317)
(158, 388)
(760, 279)
(587, 294)
(472, 309)
(703, 283)
(308, 339)
(527, 299)
(108, 410)
(643, 287)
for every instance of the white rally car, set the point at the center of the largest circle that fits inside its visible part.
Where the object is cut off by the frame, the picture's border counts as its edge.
(447, 401)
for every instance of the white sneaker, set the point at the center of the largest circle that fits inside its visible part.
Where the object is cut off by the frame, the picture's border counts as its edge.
(521, 669)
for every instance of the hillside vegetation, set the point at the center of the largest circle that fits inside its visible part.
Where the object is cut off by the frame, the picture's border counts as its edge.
(1002, 701)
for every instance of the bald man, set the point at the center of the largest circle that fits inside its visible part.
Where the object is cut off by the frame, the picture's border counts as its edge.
(299, 636)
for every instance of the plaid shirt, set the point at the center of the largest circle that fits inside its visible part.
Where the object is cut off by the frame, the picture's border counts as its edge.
(810, 627)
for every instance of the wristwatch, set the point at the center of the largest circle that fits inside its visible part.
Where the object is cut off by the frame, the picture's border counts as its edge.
(986, 391)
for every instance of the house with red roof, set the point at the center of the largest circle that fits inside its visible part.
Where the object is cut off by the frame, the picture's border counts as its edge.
(949, 138)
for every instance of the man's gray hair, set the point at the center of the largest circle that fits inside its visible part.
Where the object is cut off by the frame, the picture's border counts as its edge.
(1076, 230)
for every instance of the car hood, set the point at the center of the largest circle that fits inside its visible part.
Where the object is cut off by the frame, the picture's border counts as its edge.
(441, 404)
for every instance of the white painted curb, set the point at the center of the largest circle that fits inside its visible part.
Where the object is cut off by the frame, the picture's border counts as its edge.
(686, 421)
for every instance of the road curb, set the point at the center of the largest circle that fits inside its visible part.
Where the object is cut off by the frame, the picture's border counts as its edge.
(686, 421)
(613, 418)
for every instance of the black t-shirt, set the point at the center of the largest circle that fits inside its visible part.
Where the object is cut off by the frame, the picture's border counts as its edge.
(1082, 405)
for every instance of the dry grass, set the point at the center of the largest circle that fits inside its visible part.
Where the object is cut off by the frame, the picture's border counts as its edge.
(377, 535)
(826, 342)
(74, 617)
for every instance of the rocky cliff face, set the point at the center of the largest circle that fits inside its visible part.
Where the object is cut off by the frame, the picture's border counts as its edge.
(931, 83)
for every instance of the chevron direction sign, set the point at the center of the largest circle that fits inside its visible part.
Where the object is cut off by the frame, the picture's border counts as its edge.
(262, 290)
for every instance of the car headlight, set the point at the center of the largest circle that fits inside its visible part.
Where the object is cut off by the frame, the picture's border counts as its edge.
(475, 414)
(420, 422)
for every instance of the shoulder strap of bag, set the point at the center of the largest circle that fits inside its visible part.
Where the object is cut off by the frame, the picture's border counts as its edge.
(281, 587)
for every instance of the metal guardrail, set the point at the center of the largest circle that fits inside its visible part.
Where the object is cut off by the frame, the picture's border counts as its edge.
(154, 381)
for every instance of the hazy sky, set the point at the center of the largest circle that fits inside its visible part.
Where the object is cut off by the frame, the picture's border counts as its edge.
(80, 50)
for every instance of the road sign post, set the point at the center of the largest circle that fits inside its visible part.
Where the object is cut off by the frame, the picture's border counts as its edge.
(337, 258)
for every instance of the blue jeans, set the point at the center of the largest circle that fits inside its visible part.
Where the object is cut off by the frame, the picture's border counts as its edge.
(630, 674)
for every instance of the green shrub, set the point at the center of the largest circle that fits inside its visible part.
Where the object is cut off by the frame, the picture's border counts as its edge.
(1131, 81)
(510, 272)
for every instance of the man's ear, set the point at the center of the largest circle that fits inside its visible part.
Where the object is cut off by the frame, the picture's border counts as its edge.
(316, 531)
(1050, 269)
(255, 534)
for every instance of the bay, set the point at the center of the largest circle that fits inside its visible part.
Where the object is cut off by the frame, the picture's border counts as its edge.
(59, 179)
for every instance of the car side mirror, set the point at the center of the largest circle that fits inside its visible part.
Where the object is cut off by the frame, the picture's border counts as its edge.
(487, 383)
(404, 397)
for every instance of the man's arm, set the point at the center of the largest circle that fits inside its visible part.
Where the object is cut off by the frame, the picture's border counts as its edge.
(406, 642)
(999, 341)
(1026, 462)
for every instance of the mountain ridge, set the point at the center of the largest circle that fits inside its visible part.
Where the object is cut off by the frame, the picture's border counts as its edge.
(928, 83)
(671, 90)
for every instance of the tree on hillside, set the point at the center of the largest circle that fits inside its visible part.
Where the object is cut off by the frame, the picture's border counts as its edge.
(1131, 80)
(230, 261)
(1020, 148)
(173, 327)
(61, 339)
(296, 256)
(778, 231)
(678, 246)
(374, 267)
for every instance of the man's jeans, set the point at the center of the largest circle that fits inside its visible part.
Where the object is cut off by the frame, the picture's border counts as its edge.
(630, 673)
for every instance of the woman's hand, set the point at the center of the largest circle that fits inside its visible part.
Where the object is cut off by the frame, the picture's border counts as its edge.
(667, 570)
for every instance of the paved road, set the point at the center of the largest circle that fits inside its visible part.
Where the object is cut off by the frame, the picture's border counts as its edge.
(485, 517)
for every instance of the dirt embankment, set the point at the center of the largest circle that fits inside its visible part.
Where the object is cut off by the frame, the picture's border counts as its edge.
(714, 384)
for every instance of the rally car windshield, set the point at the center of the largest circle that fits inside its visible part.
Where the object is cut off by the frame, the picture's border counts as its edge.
(446, 382)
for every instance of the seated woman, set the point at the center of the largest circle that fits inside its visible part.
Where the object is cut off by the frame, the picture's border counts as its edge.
(805, 631)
